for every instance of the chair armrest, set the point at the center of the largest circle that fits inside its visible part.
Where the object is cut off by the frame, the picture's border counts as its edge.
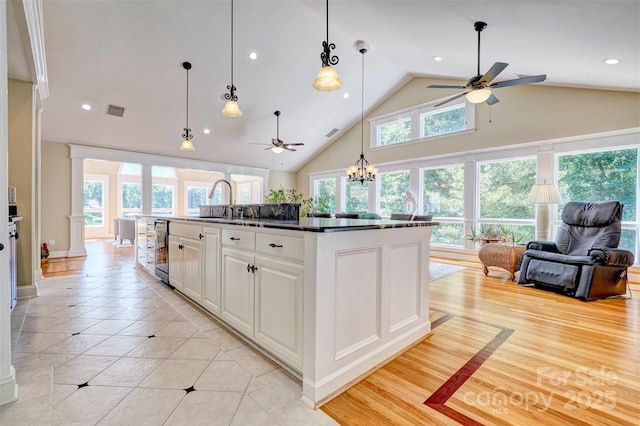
(549, 246)
(612, 256)
(561, 258)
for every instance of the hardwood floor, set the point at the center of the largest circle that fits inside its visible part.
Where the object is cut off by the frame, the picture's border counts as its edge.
(498, 354)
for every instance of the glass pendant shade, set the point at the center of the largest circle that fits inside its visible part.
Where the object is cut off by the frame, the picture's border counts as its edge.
(187, 145)
(478, 96)
(277, 150)
(231, 109)
(327, 80)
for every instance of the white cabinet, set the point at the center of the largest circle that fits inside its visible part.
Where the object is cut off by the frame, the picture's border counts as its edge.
(278, 307)
(185, 259)
(211, 296)
(262, 289)
(146, 243)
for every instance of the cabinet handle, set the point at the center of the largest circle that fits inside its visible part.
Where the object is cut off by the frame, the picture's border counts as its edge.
(251, 268)
(200, 236)
(234, 239)
(275, 245)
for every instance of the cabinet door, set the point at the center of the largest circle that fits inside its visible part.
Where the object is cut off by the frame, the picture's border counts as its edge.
(237, 289)
(211, 295)
(279, 321)
(192, 268)
(175, 262)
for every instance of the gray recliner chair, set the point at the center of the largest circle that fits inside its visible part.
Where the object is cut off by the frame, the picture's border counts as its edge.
(584, 260)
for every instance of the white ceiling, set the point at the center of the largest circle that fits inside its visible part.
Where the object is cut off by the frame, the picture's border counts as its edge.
(129, 53)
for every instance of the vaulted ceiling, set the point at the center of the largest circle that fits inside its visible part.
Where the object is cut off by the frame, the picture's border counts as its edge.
(129, 54)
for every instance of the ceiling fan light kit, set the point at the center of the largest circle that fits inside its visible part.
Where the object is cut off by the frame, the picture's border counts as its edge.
(362, 171)
(231, 108)
(327, 79)
(187, 145)
(479, 87)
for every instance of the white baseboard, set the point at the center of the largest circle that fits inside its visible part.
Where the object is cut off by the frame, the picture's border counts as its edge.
(28, 291)
(60, 253)
(8, 387)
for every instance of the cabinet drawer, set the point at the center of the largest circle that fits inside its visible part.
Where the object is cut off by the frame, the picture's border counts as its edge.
(280, 246)
(239, 239)
(185, 230)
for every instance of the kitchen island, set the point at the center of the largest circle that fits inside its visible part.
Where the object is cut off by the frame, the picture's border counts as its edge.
(329, 299)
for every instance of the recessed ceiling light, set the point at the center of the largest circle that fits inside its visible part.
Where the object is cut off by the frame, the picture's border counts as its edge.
(253, 56)
(346, 95)
(206, 131)
(86, 107)
(611, 61)
(437, 58)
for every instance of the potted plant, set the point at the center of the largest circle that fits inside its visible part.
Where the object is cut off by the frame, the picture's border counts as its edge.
(493, 233)
(290, 196)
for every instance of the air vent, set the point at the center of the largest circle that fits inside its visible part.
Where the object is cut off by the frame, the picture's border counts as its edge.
(115, 110)
(332, 132)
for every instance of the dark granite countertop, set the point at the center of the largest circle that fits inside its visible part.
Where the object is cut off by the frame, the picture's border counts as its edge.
(310, 224)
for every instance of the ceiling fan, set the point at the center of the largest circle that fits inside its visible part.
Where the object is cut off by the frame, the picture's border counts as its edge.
(478, 88)
(277, 144)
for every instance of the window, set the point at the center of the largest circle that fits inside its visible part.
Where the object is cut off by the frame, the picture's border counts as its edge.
(131, 199)
(247, 189)
(196, 197)
(394, 132)
(324, 194)
(94, 199)
(443, 121)
(356, 196)
(393, 192)
(603, 176)
(163, 190)
(504, 188)
(422, 122)
(443, 196)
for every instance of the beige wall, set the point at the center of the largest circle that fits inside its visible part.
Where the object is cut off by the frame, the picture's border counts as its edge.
(524, 114)
(56, 194)
(281, 179)
(21, 171)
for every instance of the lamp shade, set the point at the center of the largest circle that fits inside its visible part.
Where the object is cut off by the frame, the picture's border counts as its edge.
(478, 96)
(327, 80)
(277, 149)
(231, 109)
(187, 145)
(544, 194)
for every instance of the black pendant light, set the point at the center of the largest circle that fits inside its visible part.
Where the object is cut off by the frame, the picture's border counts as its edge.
(187, 145)
(231, 108)
(362, 171)
(327, 80)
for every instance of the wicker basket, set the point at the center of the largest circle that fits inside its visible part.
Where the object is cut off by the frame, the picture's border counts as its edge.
(505, 256)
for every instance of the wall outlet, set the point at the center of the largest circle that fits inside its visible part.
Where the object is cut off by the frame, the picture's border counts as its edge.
(52, 243)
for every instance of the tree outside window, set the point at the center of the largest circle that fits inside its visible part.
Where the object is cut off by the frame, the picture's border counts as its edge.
(131, 199)
(394, 132)
(443, 196)
(393, 192)
(504, 188)
(356, 196)
(603, 176)
(443, 121)
(325, 190)
(162, 199)
(93, 203)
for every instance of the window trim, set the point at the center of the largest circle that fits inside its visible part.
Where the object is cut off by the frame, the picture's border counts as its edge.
(415, 114)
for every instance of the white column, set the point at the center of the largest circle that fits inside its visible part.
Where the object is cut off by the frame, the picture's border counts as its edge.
(76, 225)
(8, 385)
(147, 181)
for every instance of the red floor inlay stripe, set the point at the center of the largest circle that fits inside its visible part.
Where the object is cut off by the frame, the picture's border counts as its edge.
(439, 398)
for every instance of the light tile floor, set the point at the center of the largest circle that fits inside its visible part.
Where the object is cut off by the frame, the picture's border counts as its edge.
(121, 348)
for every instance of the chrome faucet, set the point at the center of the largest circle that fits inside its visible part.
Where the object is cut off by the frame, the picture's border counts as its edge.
(213, 190)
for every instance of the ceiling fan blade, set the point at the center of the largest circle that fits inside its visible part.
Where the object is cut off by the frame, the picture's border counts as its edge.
(444, 86)
(492, 100)
(288, 148)
(493, 72)
(446, 101)
(292, 144)
(266, 149)
(519, 81)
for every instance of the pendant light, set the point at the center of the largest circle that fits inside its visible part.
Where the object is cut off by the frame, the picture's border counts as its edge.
(327, 80)
(231, 108)
(187, 145)
(361, 170)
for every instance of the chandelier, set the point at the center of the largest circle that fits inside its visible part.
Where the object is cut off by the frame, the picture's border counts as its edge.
(361, 170)
(187, 145)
